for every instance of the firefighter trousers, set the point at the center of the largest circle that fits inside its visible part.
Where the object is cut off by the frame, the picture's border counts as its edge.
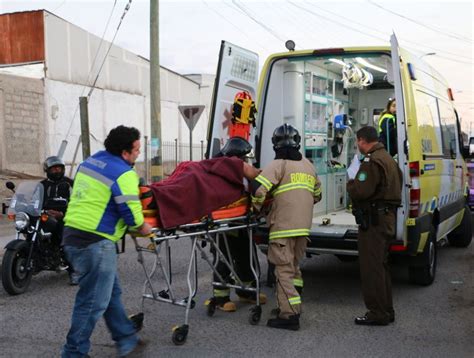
(286, 255)
(238, 244)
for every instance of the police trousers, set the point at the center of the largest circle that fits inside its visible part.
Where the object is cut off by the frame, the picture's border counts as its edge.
(373, 245)
(286, 255)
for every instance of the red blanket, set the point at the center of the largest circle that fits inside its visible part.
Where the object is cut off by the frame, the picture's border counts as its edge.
(195, 189)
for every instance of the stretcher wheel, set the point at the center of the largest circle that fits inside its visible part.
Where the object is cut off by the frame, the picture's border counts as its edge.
(180, 333)
(255, 315)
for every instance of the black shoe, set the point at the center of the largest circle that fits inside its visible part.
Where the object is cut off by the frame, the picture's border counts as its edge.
(367, 321)
(138, 350)
(392, 318)
(292, 323)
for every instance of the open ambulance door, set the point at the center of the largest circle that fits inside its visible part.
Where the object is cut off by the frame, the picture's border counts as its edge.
(237, 71)
(397, 63)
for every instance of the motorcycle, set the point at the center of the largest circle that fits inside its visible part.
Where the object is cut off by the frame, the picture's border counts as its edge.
(34, 249)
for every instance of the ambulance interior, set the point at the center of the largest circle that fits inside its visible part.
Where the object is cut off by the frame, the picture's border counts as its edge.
(315, 96)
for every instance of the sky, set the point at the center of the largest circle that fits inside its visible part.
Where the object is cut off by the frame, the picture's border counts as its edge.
(191, 31)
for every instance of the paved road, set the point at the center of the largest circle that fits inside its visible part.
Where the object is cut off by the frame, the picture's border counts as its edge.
(434, 321)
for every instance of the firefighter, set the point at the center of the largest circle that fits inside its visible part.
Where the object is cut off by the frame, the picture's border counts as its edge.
(292, 182)
(237, 241)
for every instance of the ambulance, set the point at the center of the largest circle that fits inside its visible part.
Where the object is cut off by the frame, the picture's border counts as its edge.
(328, 94)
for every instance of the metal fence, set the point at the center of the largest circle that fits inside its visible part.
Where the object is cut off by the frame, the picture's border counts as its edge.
(175, 152)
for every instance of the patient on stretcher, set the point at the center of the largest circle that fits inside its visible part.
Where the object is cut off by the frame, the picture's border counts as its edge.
(198, 189)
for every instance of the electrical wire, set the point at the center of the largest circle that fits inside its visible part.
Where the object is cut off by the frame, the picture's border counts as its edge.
(127, 7)
(430, 27)
(363, 32)
(383, 33)
(243, 9)
(235, 26)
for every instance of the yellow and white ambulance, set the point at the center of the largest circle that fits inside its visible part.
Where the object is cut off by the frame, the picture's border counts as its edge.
(328, 94)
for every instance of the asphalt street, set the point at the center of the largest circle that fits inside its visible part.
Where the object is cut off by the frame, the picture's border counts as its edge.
(433, 321)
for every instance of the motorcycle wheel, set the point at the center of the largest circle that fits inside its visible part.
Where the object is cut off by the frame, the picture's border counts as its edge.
(15, 278)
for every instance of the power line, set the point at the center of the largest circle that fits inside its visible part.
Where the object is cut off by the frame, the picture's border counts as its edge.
(430, 27)
(381, 32)
(127, 7)
(242, 9)
(234, 26)
(363, 32)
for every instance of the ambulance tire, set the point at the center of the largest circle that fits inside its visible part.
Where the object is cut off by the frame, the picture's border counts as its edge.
(462, 235)
(347, 258)
(422, 269)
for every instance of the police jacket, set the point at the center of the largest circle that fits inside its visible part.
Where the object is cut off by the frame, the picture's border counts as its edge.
(379, 180)
(105, 197)
(295, 188)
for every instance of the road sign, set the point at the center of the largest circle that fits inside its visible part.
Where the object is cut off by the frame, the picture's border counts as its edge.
(191, 114)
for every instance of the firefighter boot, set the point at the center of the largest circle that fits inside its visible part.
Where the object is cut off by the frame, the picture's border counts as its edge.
(222, 303)
(291, 323)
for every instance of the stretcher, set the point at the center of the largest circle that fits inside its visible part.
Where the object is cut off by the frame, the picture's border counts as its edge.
(207, 230)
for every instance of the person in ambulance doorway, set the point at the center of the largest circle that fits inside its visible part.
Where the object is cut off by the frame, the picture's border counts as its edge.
(292, 182)
(388, 127)
(238, 242)
(57, 191)
(104, 205)
(376, 194)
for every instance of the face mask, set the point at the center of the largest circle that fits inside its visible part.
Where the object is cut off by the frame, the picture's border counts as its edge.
(55, 176)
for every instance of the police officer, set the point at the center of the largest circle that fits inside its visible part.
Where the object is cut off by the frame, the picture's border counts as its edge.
(292, 182)
(375, 194)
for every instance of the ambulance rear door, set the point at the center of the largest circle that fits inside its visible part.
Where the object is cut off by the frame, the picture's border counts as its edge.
(237, 71)
(397, 63)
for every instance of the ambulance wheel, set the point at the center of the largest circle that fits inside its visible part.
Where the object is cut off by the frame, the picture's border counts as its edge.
(255, 315)
(462, 235)
(347, 258)
(422, 269)
(179, 335)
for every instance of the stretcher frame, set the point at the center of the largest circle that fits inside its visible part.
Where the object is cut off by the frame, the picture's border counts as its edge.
(206, 231)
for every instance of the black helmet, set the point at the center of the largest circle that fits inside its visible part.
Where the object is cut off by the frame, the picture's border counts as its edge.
(54, 161)
(286, 136)
(236, 147)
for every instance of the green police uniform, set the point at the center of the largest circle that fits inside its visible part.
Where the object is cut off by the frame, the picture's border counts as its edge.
(376, 193)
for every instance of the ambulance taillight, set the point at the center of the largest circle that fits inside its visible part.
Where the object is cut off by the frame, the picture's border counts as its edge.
(415, 191)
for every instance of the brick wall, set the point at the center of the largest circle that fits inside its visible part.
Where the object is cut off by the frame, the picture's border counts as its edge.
(22, 125)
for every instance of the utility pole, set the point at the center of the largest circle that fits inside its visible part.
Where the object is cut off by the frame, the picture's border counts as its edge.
(85, 138)
(155, 99)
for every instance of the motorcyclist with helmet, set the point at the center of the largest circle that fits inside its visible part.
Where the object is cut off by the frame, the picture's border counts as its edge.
(57, 191)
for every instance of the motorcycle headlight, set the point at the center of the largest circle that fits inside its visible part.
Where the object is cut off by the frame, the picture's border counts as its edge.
(22, 221)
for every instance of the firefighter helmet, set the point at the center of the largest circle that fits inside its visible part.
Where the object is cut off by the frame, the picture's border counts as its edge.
(236, 147)
(286, 136)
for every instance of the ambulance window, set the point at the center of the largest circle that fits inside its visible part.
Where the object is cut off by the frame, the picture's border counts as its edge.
(428, 122)
(448, 127)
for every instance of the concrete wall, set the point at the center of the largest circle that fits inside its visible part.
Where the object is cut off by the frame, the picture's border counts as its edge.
(22, 127)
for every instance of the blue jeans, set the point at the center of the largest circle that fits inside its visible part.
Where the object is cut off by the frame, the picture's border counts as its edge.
(99, 295)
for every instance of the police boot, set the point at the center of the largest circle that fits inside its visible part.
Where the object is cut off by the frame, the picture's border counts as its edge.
(291, 323)
(222, 303)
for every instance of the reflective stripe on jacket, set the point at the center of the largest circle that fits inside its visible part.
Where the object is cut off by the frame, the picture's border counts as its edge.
(105, 197)
(295, 188)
